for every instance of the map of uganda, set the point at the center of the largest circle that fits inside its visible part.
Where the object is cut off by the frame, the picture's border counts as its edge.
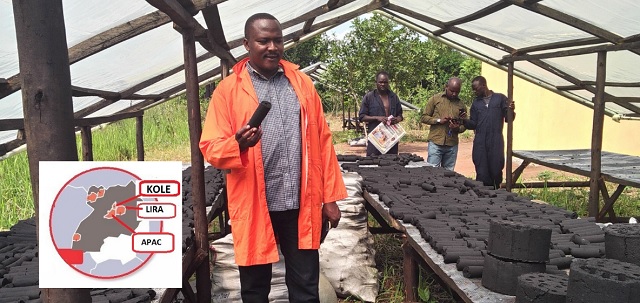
(107, 218)
(94, 220)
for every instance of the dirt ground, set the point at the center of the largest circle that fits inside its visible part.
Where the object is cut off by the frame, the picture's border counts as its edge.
(464, 164)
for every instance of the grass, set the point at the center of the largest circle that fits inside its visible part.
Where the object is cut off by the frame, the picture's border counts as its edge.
(16, 198)
(577, 198)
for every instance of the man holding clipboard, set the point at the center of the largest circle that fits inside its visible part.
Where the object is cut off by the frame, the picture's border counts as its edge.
(380, 105)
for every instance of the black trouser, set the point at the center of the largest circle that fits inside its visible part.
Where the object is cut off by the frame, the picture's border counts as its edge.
(302, 266)
(373, 151)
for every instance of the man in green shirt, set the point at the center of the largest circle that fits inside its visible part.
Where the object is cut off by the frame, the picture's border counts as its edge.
(443, 113)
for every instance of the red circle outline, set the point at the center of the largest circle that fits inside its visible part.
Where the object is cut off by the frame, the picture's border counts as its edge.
(51, 227)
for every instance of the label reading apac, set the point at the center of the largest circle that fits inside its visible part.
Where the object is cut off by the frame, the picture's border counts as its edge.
(153, 242)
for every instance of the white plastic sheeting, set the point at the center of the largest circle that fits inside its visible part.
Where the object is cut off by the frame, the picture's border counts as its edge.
(158, 51)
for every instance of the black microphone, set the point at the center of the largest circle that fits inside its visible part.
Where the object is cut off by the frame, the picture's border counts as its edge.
(259, 114)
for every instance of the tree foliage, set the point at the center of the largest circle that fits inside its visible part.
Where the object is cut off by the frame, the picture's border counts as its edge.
(418, 67)
(308, 52)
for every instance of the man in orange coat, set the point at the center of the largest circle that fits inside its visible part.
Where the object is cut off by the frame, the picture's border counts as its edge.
(283, 175)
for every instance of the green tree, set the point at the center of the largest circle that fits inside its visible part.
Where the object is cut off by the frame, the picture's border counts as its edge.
(308, 52)
(417, 67)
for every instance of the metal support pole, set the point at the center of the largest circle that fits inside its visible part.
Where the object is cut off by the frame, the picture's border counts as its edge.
(510, 115)
(596, 136)
(203, 280)
(46, 100)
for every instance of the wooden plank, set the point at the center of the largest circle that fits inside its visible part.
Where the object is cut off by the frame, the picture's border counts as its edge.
(183, 19)
(568, 20)
(117, 35)
(509, 117)
(188, 6)
(572, 21)
(129, 93)
(87, 143)
(101, 42)
(4, 81)
(187, 259)
(614, 84)
(392, 222)
(438, 271)
(410, 272)
(473, 16)
(107, 119)
(572, 52)
(575, 81)
(313, 13)
(11, 124)
(609, 201)
(332, 3)
(47, 102)
(516, 173)
(617, 100)
(86, 92)
(140, 138)
(559, 44)
(182, 86)
(632, 38)
(453, 29)
(307, 26)
(93, 108)
(11, 86)
(206, 41)
(214, 24)
(549, 184)
(617, 168)
(350, 15)
(384, 228)
(11, 145)
(175, 11)
(203, 279)
(202, 4)
(340, 19)
(416, 15)
(596, 136)
(551, 164)
(161, 76)
(571, 87)
(187, 291)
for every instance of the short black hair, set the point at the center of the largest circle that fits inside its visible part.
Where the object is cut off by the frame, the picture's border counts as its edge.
(254, 18)
(381, 73)
(481, 80)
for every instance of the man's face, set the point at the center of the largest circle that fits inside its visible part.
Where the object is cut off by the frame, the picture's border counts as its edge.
(265, 46)
(382, 83)
(452, 90)
(478, 89)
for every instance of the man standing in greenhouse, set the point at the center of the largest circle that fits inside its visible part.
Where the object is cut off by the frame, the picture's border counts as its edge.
(443, 113)
(283, 176)
(380, 105)
(488, 115)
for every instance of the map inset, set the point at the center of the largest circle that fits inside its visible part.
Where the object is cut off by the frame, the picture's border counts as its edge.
(93, 219)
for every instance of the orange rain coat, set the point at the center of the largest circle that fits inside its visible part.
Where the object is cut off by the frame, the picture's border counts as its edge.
(232, 104)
